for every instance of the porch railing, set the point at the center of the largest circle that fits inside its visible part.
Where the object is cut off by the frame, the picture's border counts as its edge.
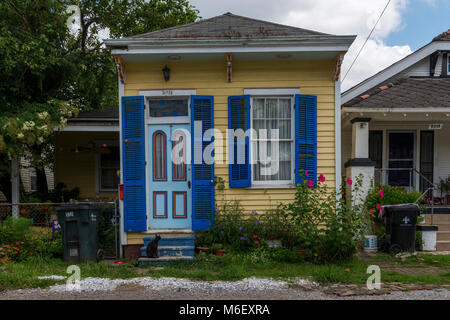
(415, 176)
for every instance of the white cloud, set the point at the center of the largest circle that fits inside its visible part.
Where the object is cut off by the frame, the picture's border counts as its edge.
(354, 17)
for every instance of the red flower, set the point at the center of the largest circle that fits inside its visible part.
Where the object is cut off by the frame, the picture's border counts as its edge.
(349, 181)
(379, 206)
(255, 236)
(256, 242)
(372, 211)
(381, 193)
(321, 178)
(306, 173)
(310, 183)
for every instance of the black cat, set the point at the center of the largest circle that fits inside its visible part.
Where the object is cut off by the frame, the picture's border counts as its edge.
(152, 248)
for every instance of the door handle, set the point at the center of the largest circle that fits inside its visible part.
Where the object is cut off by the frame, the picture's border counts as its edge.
(189, 184)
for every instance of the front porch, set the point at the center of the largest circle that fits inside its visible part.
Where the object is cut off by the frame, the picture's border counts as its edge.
(408, 148)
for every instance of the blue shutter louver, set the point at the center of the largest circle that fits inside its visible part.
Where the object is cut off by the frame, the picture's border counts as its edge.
(133, 151)
(240, 172)
(202, 109)
(305, 136)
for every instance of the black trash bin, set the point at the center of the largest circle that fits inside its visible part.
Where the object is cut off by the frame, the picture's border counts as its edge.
(79, 227)
(401, 223)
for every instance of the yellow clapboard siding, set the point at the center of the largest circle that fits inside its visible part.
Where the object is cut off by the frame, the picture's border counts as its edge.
(208, 78)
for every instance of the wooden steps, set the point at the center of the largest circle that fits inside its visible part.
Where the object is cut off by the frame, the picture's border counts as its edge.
(442, 221)
(174, 245)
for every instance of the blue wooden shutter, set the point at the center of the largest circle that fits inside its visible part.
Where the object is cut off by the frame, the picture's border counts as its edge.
(202, 109)
(133, 148)
(240, 174)
(305, 136)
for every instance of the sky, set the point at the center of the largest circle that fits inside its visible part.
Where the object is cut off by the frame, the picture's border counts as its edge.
(406, 25)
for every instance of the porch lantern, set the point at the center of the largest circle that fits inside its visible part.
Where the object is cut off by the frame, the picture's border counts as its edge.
(166, 73)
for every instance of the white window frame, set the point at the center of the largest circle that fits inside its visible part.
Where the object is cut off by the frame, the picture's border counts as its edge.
(167, 94)
(98, 170)
(278, 183)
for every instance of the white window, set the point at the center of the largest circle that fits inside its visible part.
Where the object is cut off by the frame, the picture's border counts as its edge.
(108, 166)
(272, 112)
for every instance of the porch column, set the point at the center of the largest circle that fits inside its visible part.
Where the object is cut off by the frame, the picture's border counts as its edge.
(360, 164)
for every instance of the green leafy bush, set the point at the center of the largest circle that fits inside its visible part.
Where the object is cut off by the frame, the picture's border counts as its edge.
(388, 195)
(238, 231)
(18, 241)
(329, 229)
(14, 229)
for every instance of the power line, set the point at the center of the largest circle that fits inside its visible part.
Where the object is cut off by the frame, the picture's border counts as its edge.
(370, 34)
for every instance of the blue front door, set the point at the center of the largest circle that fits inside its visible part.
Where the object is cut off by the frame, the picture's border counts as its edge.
(169, 176)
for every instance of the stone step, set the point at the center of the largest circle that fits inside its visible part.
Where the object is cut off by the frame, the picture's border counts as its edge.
(442, 245)
(171, 251)
(163, 260)
(443, 236)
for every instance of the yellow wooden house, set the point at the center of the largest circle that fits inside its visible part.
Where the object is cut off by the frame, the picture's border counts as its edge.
(207, 101)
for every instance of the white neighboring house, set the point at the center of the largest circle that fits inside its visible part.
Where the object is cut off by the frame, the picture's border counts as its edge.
(29, 179)
(396, 124)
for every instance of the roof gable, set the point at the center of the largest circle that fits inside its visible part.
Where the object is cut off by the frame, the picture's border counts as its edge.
(440, 43)
(406, 93)
(228, 26)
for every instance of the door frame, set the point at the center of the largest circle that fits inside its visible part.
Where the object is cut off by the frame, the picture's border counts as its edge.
(385, 179)
(159, 94)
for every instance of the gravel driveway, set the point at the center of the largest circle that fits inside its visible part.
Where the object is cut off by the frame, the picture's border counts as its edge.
(246, 289)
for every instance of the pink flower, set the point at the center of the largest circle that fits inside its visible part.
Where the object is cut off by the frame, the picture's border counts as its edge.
(379, 206)
(381, 193)
(306, 173)
(256, 242)
(310, 183)
(372, 211)
(322, 178)
(255, 236)
(349, 181)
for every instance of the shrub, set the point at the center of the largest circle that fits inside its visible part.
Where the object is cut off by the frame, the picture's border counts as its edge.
(388, 195)
(19, 242)
(329, 229)
(14, 229)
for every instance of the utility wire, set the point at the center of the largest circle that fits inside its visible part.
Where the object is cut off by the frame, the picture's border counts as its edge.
(370, 34)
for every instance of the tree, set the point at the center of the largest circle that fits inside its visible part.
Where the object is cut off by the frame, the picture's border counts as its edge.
(49, 71)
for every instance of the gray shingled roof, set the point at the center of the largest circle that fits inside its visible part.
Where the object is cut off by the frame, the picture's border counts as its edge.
(229, 26)
(445, 36)
(407, 93)
(109, 114)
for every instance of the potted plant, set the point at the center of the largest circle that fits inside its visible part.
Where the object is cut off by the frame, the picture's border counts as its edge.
(218, 249)
(444, 188)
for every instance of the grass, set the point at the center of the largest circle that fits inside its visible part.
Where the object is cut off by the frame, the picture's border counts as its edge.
(232, 267)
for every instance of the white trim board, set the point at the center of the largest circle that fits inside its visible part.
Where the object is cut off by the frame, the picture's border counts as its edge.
(396, 110)
(394, 69)
(168, 93)
(272, 91)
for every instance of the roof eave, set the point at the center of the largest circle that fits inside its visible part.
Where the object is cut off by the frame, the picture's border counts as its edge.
(207, 43)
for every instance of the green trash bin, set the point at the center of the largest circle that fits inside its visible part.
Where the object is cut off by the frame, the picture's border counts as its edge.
(79, 227)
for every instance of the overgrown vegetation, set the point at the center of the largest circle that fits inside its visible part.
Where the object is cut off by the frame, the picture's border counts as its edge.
(388, 195)
(326, 229)
(19, 241)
